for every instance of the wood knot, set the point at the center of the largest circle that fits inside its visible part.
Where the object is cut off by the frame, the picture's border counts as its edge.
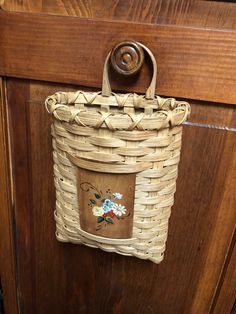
(127, 58)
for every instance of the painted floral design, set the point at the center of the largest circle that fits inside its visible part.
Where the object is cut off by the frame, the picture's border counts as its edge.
(106, 207)
(119, 210)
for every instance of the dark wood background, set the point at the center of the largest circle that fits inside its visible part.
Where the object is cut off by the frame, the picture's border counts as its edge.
(197, 274)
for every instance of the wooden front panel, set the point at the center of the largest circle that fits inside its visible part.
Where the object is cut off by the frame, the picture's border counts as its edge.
(63, 278)
(96, 195)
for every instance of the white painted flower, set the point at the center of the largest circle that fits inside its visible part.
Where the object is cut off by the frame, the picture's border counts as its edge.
(119, 210)
(118, 195)
(97, 211)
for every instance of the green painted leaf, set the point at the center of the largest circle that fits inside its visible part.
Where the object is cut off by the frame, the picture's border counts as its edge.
(109, 220)
(92, 201)
(100, 219)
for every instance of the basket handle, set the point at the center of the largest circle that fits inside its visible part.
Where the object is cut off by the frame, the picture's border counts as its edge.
(150, 93)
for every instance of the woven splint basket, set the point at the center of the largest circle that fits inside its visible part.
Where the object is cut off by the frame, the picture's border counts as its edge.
(115, 164)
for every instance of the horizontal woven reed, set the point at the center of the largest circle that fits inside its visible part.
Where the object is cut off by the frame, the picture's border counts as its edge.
(123, 133)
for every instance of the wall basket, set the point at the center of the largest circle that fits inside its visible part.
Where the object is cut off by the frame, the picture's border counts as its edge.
(115, 163)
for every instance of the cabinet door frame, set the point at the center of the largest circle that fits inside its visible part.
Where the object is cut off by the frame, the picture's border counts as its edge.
(8, 271)
(12, 65)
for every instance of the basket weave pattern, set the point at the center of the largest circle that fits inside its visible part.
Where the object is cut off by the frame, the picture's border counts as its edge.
(121, 133)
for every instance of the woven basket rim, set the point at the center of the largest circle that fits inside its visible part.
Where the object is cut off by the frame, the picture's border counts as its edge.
(90, 109)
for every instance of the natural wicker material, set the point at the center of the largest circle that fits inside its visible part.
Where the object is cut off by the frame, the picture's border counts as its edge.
(118, 133)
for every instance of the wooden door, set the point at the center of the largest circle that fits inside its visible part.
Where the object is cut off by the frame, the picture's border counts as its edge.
(42, 54)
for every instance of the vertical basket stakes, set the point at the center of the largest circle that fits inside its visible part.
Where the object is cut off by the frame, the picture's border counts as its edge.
(115, 163)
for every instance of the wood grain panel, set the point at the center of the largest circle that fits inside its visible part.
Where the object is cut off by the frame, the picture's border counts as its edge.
(223, 221)
(206, 14)
(226, 296)
(7, 259)
(207, 70)
(17, 95)
(81, 279)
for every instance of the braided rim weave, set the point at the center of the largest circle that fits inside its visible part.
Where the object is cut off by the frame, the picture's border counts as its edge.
(134, 111)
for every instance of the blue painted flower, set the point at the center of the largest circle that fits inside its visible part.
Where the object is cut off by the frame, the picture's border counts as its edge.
(108, 205)
(117, 195)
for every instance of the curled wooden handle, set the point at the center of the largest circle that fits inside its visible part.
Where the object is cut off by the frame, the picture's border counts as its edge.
(150, 93)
